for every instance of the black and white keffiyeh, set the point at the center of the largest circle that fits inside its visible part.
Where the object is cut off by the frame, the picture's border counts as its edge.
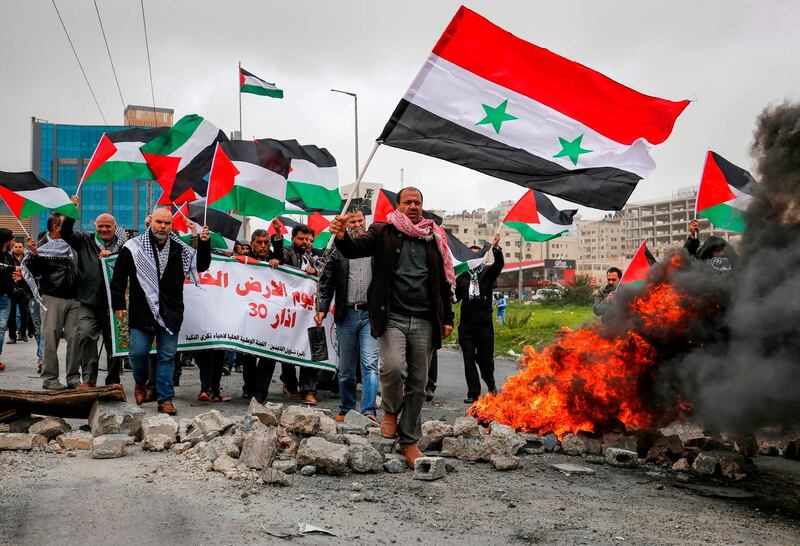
(148, 273)
(52, 249)
(116, 243)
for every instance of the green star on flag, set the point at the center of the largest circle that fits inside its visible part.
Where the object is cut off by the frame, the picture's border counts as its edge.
(496, 116)
(572, 150)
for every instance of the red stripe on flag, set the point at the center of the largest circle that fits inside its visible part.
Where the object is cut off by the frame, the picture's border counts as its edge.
(179, 219)
(639, 267)
(14, 201)
(610, 108)
(382, 208)
(105, 149)
(524, 210)
(318, 223)
(164, 168)
(241, 78)
(222, 177)
(714, 188)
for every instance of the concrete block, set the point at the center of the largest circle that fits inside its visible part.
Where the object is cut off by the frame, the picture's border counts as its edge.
(429, 468)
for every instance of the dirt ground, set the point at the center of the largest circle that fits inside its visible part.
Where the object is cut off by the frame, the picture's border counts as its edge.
(149, 498)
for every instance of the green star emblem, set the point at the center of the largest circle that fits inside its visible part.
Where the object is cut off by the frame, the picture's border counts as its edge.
(572, 150)
(496, 116)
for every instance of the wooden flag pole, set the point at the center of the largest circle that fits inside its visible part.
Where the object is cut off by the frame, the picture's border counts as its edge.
(23, 227)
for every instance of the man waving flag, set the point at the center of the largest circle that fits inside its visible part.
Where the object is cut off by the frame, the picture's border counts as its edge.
(725, 193)
(493, 102)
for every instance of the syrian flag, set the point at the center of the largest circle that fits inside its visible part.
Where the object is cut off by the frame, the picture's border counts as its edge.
(26, 194)
(386, 202)
(493, 102)
(725, 193)
(248, 83)
(640, 265)
(317, 222)
(313, 181)
(249, 177)
(222, 227)
(181, 157)
(118, 156)
(464, 258)
(536, 218)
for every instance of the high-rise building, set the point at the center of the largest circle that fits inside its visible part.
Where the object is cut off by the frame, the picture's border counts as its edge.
(60, 153)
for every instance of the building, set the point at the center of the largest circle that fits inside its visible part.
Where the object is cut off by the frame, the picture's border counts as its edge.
(601, 246)
(60, 153)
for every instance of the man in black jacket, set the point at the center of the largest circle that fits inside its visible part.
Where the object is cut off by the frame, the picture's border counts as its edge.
(410, 310)
(155, 265)
(94, 320)
(257, 371)
(299, 255)
(20, 297)
(348, 281)
(55, 266)
(476, 329)
(7, 268)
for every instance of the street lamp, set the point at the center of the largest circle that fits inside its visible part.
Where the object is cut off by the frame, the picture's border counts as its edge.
(355, 104)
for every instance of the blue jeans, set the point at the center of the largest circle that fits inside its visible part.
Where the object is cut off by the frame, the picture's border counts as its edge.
(357, 344)
(36, 316)
(5, 310)
(139, 352)
(501, 316)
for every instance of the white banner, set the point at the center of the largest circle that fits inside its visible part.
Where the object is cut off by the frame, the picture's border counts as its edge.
(250, 308)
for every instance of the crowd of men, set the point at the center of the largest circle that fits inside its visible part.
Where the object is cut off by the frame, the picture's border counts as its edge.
(392, 287)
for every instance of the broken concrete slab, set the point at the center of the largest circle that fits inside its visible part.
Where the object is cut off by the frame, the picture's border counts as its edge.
(733, 466)
(300, 419)
(395, 466)
(517, 442)
(111, 446)
(682, 465)
(429, 468)
(621, 457)
(347, 428)
(115, 418)
(383, 445)
(684, 430)
(211, 422)
(705, 464)
(505, 462)
(289, 466)
(308, 470)
(20, 441)
(159, 424)
(157, 442)
(268, 414)
(259, 447)
(358, 419)
(24, 423)
(572, 444)
(50, 427)
(274, 477)
(327, 457)
(327, 425)
(467, 426)
(433, 432)
(224, 464)
(365, 458)
(619, 441)
(534, 443)
(77, 439)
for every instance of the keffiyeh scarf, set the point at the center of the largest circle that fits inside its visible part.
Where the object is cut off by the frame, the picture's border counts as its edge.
(426, 229)
(52, 249)
(148, 273)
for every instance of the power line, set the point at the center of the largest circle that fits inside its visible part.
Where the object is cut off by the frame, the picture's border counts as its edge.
(114, 70)
(79, 63)
(149, 68)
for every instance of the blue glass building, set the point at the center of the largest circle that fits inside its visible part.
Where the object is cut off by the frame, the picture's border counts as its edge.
(60, 154)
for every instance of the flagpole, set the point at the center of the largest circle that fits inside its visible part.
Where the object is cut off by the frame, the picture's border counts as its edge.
(357, 185)
(519, 278)
(23, 227)
(240, 100)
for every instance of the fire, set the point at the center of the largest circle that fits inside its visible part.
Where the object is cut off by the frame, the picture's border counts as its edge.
(588, 381)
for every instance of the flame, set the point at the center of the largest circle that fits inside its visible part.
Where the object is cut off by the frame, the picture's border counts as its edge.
(586, 381)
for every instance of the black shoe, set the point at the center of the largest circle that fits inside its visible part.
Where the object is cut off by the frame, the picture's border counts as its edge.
(176, 382)
(238, 368)
(470, 400)
(246, 395)
(24, 339)
(126, 365)
(226, 371)
(11, 341)
(428, 395)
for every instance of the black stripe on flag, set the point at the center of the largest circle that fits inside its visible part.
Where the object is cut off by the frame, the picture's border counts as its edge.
(216, 220)
(320, 157)
(392, 197)
(462, 252)
(416, 129)
(192, 175)
(546, 208)
(23, 181)
(264, 154)
(137, 134)
(736, 176)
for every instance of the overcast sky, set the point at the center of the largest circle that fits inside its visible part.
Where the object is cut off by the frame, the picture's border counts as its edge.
(732, 58)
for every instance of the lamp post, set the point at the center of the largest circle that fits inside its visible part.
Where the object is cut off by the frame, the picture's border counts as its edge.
(355, 105)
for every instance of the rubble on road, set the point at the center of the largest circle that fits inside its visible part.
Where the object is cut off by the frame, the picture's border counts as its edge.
(21, 441)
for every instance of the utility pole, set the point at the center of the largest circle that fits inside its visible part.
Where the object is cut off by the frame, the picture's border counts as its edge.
(519, 279)
(355, 107)
(402, 180)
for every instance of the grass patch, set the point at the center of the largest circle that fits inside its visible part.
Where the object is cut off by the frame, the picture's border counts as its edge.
(534, 324)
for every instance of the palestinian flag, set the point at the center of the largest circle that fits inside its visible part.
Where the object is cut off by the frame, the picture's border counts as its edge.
(386, 202)
(248, 83)
(465, 259)
(222, 227)
(316, 222)
(313, 181)
(26, 194)
(118, 156)
(181, 157)
(537, 219)
(248, 177)
(725, 193)
(493, 102)
(640, 265)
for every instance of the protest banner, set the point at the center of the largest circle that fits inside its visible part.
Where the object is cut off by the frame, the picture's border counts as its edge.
(246, 307)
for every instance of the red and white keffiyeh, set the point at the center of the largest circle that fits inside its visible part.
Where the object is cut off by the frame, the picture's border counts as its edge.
(426, 229)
